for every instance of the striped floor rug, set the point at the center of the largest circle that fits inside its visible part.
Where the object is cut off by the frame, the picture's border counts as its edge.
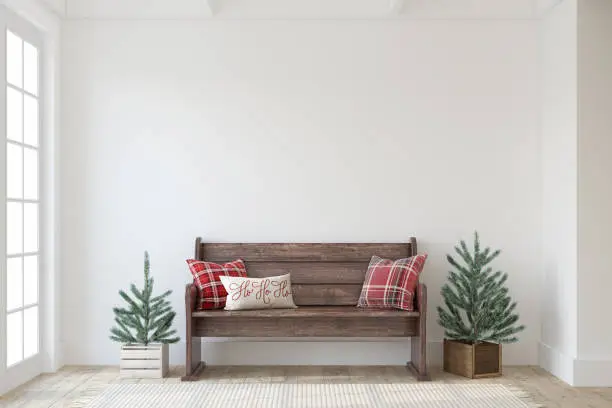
(207, 395)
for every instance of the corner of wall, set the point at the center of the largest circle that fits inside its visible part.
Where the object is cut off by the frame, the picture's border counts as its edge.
(556, 363)
(543, 7)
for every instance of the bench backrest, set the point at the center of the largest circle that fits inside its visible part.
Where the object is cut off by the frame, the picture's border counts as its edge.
(321, 274)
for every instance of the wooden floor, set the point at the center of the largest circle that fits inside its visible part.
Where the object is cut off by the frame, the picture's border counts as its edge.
(72, 385)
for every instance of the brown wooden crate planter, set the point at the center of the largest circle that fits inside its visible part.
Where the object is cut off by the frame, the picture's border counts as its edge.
(482, 360)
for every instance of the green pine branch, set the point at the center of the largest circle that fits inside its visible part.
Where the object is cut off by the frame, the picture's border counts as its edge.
(146, 318)
(477, 306)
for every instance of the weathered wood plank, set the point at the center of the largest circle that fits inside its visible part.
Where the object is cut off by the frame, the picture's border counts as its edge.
(310, 273)
(309, 311)
(141, 355)
(141, 373)
(237, 326)
(222, 252)
(326, 295)
(140, 364)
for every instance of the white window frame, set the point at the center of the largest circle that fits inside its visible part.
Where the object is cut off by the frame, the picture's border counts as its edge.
(31, 366)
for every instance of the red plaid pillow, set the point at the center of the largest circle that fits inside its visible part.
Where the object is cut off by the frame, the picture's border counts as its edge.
(391, 284)
(206, 275)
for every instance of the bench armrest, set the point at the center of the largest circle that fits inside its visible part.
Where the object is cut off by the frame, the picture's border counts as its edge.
(420, 298)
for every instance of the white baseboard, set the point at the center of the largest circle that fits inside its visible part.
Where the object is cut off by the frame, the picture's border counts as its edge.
(435, 353)
(556, 363)
(288, 351)
(575, 372)
(318, 352)
(267, 351)
(593, 373)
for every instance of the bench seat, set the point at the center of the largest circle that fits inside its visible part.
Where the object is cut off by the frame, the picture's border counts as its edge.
(306, 321)
(309, 311)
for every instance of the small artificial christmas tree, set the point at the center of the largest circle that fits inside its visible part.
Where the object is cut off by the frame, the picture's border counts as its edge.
(478, 307)
(147, 319)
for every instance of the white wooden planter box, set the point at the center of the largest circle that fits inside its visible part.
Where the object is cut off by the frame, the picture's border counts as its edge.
(140, 361)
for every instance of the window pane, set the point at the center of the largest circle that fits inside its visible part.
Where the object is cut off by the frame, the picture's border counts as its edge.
(30, 124)
(30, 68)
(14, 283)
(30, 332)
(14, 171)
(30, 280)
(30, 227)
(14, 228)
(14, 115)
(30, 174)
(14, 337)
(14, 59)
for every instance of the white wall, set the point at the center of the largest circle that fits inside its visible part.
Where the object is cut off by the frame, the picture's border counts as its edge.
(293, 131)
(594, 365)
(558, 296)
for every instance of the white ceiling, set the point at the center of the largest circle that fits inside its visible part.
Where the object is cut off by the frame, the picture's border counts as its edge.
(58, 6)
(298, 9)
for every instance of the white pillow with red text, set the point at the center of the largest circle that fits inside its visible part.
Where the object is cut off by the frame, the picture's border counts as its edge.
(273, 292)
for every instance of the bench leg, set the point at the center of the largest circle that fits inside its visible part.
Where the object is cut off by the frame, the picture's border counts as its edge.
(193, 361)
(418, 365)
(193, 364)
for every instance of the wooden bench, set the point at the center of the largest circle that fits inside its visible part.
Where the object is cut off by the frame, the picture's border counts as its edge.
(326, 281)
